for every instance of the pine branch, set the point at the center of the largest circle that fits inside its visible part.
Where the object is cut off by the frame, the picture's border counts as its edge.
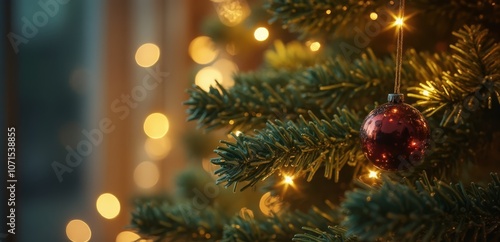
(311, 18)
(271, 94)
(428, 211)
(255, 98)
(279, 227)
(451, 152)
(474, 83)
(296, 147)
(333, 234)
(158, 219)
(292, 56)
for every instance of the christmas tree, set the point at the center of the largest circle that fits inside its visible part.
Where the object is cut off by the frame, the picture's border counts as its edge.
(294, 148)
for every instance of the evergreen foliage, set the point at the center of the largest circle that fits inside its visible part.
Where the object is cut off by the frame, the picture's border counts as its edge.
(301, 114)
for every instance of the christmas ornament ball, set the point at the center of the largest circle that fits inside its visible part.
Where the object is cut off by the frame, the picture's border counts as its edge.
(395, 135)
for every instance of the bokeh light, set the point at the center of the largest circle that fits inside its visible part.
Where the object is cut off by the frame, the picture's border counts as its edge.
(207, 77)
(108, 205)
(156, 125)
(157, 149)
(78, 231)
(373, 174)
(270, 204)
(127, 236)
(399, 21)
(261, 34)
(147, 55)
(146, 174)
(315, 46)
(231, 12)
(227, 69)
(202, 50)
(373, 16)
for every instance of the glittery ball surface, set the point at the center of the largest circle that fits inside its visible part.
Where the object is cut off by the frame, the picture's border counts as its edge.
(395, 136)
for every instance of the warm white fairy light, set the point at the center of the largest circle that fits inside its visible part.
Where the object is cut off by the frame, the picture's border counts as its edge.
(78, 231)
(315, 46)
(288, 180)
(373, 174)
(108, 205)
(147, 55)
(269, 204)
(261, 34)
(399, 21)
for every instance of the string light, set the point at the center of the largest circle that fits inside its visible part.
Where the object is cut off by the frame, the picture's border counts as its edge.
(328, 11)
(126, 236)
(373, 16)
(226, 68)
(108, 205)
(202, 50)
(207, 76)
(147, 55)
(231, 12)
(78, 231)
(270, 204)
(288, 180)
(399, 21)
(156, 125)
(315, 46)
(261, 34)
(373, 174)
(372, 177)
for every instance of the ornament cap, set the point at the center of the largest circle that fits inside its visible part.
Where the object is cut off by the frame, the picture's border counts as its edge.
(395, 97)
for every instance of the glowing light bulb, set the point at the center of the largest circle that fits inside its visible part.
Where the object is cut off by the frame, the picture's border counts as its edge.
(261, 34)
(147, 55)
(373, 16)
(226, 68)
(373, 174)
(78, 231)
(108, 205)
(270, 205)
(328, 11)
(156, 125)
(399, 21)
(315, 46)
(207, 76)
(126, 236)
(288, 180)
(203, 50)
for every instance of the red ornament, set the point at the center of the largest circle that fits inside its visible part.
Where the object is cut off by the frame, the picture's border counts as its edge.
(395, 135)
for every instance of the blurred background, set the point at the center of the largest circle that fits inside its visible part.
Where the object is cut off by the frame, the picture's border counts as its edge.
(95, 92)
